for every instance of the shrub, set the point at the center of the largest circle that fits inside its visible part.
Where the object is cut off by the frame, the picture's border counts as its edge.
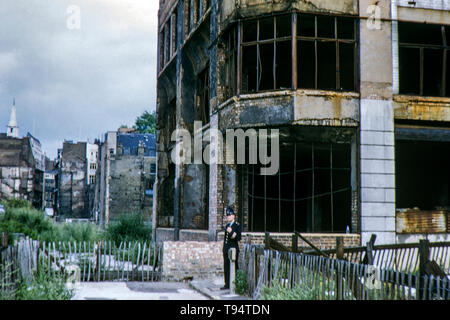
(34, 223)
(129, 227)
(240, 283)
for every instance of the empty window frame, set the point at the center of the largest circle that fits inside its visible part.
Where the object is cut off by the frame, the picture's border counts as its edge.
(424, 63)
(203, 95)
(310, 193)
(229, 78)
(322, 54)
(327, 52)
(168, 41)
(266, 54)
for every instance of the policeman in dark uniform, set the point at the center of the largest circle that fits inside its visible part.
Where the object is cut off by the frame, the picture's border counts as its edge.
(230, 240)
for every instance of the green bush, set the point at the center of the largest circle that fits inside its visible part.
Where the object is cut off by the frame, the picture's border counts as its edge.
(240, 282)
(298, 292)
(129, 227)
(34, 223)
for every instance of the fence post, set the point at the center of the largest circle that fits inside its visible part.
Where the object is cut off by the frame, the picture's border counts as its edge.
(267, 240)
(294, 243)
(4, 243)
(339, 256)
(424, 254)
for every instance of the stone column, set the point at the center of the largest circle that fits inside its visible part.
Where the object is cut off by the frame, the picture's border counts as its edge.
(377, 165)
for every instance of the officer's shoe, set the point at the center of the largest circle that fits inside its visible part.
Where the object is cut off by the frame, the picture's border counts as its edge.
(225, 287)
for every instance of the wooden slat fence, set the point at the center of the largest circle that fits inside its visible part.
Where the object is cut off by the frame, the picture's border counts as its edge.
(326, 278)
(398, 257)
(81, 261)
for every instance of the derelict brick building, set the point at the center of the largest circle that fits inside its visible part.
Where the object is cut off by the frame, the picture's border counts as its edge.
(360, 93)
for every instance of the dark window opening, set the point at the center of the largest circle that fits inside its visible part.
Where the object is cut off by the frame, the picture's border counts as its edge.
(423, 59)
(422, 174)
(326, 52)
(166, 216)
(230, 80)
(203, 95)
(310, 193)
(267, 54)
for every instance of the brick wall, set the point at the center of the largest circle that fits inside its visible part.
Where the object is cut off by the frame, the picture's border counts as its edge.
(194, 256)
(196, 259)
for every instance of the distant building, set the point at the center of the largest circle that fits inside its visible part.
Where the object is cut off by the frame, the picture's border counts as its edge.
(73, 197)
(22, 164)
(127, 173)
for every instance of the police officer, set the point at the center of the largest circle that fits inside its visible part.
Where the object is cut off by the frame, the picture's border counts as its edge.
(230, 240)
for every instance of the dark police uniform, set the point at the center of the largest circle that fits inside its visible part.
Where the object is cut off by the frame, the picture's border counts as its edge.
(228, 243)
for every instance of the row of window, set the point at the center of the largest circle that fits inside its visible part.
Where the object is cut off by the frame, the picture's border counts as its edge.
(321, 52)
(194, 10)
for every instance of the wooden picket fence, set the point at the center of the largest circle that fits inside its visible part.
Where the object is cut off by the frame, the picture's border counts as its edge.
(81, 261)
(328, 278)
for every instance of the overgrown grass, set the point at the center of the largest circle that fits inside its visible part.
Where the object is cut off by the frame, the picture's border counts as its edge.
(21, 218)
(42, 286)
(300, 291)
(128, 227)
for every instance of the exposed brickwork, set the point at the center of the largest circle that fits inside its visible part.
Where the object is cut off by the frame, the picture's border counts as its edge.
(196, 259)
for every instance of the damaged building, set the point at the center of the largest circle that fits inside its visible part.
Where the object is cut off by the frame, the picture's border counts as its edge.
(22, 164)
(359, 92)
(73, 195)
(127, 162)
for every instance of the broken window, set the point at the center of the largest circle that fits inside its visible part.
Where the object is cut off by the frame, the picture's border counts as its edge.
(267, 54)
(424, 59)
(422, 170)
(230, 63)
(326, 52)
(168, 41)
(310, 193)
(203, 95)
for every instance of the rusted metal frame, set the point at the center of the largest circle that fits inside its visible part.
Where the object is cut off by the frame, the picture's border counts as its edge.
(279, 200)
(265, 203)
(313, 188)
(444, 62)
(315, 54)
(239, 59)
(331, 187)
(257, 57)
(356, 63)
(253, 193)
(421, 70)
(337, 68)
(274, 62)
(295, 177)
(294, 53)
(301, 199)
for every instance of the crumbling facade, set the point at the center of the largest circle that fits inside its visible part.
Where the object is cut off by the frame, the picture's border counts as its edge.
(72, 182)
(17, 169)
(359, 92)
(22, 165)
(127, 173)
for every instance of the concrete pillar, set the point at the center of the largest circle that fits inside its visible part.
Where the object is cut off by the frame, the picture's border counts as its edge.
(377, 163)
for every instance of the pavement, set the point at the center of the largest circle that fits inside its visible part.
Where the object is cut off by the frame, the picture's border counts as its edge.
(199, 289)
(211, 288)
(136, 291)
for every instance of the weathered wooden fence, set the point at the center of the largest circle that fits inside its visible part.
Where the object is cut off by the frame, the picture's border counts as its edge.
(80, 261)
(329, 278)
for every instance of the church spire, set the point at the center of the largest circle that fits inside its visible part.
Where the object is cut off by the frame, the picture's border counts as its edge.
(13, 128)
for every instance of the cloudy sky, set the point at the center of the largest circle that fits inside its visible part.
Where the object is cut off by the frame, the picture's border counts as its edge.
(76, 68)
